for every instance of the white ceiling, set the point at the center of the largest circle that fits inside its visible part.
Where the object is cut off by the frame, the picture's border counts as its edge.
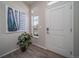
(30, 2)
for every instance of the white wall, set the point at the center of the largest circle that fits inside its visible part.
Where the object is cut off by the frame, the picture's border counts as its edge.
(8, 40)
(39, 9)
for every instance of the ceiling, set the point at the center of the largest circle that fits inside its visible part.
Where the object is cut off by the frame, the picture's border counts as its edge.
(30, 2)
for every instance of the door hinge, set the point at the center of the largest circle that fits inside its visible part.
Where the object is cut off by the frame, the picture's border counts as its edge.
(71, 30)
(71, 52)
(71, 7)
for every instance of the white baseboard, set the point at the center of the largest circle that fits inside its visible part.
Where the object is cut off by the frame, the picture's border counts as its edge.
(76, 57)
(39, 46)
(8, 52)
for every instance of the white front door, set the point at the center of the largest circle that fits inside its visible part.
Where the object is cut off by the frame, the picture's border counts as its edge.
(60, 30)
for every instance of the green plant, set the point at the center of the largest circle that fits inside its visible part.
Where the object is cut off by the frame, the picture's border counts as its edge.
(24, 40)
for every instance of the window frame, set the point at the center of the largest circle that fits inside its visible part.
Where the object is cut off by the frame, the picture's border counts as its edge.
(32, 25)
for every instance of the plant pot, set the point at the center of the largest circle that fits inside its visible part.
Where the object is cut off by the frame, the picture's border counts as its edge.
(29, 43)
(23, 49)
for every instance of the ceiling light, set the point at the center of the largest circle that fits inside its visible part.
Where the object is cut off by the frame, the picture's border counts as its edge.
(52, 2)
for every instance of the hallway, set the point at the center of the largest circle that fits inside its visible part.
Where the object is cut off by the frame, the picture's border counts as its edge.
(53, 25)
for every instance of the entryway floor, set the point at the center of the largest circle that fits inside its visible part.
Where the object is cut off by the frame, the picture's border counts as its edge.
(33, 52)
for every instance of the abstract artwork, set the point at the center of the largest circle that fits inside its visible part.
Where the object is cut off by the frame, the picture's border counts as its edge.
(15, 20)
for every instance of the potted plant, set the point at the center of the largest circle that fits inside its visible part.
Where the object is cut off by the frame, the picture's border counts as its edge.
(24, 40)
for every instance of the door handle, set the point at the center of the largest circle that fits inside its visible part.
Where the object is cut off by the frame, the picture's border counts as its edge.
(47, 29)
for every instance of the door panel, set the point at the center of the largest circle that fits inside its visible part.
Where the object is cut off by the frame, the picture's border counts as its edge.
(56, 27)
(60, 35)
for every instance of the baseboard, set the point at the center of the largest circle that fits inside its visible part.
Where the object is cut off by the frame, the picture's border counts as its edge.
(8, 52)
(39, 46)
(76, 57)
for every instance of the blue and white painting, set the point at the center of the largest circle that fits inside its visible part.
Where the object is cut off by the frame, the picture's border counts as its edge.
(15, 20)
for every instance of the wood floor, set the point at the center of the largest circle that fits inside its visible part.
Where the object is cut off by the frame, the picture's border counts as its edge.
(33, 52)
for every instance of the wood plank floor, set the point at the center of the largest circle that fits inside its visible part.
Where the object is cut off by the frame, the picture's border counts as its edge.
(33, 52)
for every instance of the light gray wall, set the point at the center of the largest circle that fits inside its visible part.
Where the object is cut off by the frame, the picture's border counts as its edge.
(39, 9)
(8, 40)
(76, 28)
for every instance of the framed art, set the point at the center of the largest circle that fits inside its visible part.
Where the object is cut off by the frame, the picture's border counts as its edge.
(15, 20)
